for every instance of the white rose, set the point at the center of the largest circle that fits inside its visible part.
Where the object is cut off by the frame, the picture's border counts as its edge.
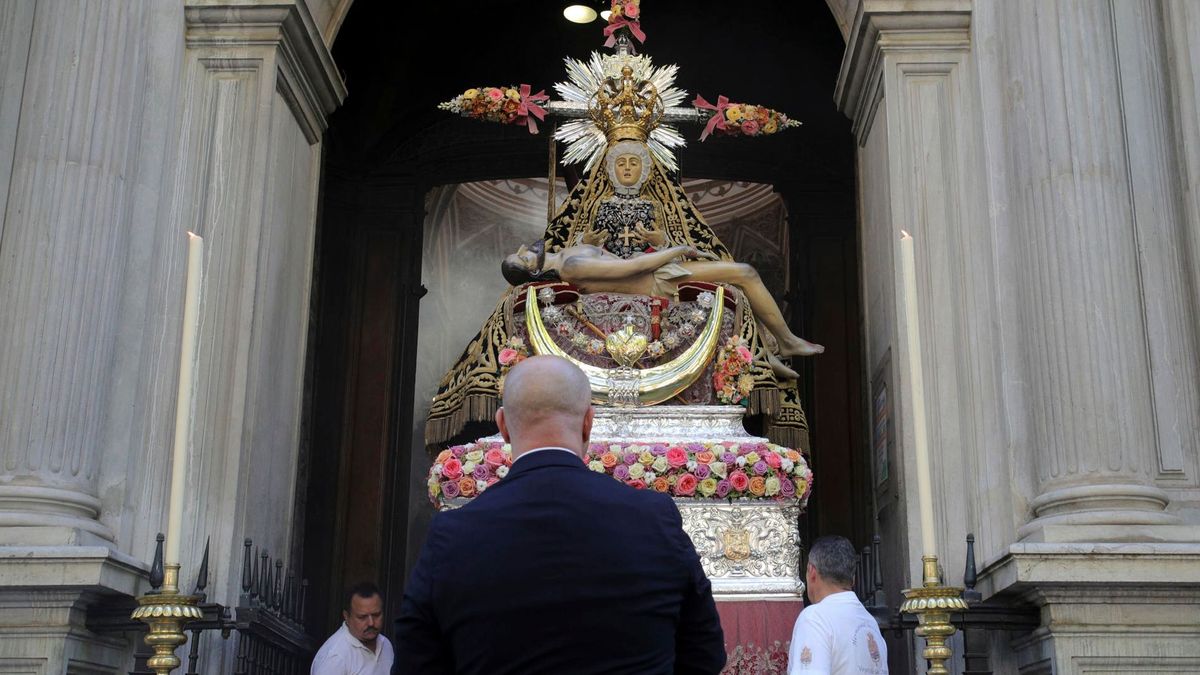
(741, 461)
(691, 465)
(615, 449)
(650, 476)
(468, 467)
(437, 469)
(787, 465)
(596, 465)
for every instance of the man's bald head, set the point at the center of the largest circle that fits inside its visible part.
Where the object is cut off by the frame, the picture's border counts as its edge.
(547, 401)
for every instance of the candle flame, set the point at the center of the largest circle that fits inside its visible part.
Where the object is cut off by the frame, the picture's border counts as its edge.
(193, 235)
(905, 235)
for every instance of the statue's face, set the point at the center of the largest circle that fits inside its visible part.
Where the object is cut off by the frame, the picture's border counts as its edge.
(628, 169)
(526, 258)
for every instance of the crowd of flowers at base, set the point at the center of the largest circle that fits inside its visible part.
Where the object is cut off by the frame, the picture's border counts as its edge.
(720, 470)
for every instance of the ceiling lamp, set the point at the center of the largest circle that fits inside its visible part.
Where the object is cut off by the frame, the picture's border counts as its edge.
(579, 13)
(605, 14)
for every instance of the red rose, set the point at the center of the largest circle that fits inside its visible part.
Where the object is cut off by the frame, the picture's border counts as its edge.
(686, 485)
(637, 484)
(677, 457)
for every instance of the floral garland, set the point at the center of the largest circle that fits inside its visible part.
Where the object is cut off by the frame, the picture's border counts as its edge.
(730, 380)
(720, 470)
(742, 119)
(507, 105)
(624, 14)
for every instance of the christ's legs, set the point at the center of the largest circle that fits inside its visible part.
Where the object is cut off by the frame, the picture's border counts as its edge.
(765, 308)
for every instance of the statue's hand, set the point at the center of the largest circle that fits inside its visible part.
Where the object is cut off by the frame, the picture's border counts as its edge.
(595, 237)
(693, 253)
(654, 237)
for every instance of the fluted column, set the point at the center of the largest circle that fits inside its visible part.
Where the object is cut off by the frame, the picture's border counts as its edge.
(63, 244)
(1076, 235)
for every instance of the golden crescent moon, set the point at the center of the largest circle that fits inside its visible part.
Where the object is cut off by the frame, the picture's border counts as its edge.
(660, 383)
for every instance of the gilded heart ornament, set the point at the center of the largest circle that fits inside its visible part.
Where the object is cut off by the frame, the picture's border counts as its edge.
(626, 346)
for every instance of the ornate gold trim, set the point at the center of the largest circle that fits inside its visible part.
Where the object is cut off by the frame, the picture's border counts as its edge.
(655, 385)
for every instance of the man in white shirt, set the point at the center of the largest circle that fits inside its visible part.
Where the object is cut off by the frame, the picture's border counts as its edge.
(835, 635)
(357, 648)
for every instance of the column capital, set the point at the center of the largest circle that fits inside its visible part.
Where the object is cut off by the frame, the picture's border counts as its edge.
(888, 26)
(309, 79)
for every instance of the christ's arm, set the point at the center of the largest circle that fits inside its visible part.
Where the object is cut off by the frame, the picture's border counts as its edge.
(580, 268)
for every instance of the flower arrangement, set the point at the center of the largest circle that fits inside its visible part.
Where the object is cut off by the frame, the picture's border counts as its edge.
(730, 380)
(717, 470)
(467, 470)
(507, 105)
(624, 14)
(742, 119)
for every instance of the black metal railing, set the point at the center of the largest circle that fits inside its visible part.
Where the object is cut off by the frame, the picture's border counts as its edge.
(266, 622)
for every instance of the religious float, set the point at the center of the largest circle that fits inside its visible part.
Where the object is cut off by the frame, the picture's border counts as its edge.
(681, 343)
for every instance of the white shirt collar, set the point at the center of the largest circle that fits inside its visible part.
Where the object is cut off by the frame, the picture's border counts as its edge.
(552, 447)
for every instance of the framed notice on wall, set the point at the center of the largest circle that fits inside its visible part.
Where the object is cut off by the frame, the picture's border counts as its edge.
(882, 428)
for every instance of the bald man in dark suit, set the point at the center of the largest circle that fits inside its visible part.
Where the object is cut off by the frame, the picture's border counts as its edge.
(557, 569)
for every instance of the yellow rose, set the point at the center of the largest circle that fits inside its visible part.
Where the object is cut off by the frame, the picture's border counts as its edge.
(475, 456)
(514, 94)
(646, 458)
(752, 457)
(801, 486)
(470, 93)
(772, 486)
(733, 113)
(637, 471)
(708, 487)
(770, 127)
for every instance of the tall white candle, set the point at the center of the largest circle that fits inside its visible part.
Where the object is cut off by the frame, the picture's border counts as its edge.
(916, 391)
(183, 402)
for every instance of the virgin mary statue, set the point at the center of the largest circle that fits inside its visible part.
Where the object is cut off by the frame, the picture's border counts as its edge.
(630, 206)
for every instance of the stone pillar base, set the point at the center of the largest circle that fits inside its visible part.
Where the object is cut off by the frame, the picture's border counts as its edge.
(1106, 608)
(45, 592)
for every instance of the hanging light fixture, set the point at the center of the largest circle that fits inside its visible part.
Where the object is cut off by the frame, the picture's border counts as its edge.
(605, 14)
(579, 13)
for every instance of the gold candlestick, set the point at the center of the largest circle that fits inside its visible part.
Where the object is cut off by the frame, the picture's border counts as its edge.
(932, 603)
(166, 612)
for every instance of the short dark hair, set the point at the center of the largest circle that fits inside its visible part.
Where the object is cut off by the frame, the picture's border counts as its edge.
(835, 559)
(364, 590)
(517, 275)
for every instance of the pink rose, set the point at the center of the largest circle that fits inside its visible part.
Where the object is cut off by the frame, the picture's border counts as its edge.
(452, 469)
(631, 10)
(750, 127)
(637, 484)
(494, 457)
(744, 353)
(676, 456)
(739, 480)
(508, 356)
(686, 485)
(495, 94)
(773, 460)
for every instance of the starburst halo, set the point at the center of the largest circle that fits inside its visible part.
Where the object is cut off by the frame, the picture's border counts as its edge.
(586, 141)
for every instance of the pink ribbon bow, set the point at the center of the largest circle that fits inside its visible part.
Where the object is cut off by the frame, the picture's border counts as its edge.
(717, 121)
(611, 29)
(528, 108)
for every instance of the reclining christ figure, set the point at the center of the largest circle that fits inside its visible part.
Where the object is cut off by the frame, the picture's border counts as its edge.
(593, 270)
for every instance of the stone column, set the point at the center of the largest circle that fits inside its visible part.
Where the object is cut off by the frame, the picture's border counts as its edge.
(1092, 295)
(73, 76)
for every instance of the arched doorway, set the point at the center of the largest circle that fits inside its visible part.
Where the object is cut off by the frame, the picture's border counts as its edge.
(388, 146)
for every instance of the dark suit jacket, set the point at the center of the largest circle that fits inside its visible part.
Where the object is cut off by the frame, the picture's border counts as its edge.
(560, 570)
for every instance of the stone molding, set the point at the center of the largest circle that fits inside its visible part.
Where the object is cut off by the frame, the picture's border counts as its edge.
(308, 78)
(892, 26)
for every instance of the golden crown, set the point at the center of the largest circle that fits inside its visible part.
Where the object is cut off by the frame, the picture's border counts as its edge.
(626, 109)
